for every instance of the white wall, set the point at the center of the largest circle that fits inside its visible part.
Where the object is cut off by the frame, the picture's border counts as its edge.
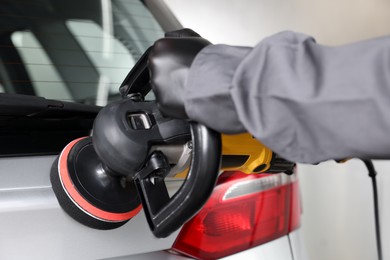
(338, 218)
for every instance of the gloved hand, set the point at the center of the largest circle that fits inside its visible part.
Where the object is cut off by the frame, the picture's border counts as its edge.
(169, 63)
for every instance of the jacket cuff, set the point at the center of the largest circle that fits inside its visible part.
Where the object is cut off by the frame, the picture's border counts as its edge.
(207, 92)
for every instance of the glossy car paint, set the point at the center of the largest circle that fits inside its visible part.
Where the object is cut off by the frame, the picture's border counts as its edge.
(33, 226)
(277, 249)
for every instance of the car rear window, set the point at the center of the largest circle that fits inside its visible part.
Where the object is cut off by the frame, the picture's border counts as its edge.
(72, 50)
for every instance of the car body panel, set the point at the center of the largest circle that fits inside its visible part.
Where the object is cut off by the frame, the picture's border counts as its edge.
(284, 248)
(33, 226)
(276, 249)
(297, 245)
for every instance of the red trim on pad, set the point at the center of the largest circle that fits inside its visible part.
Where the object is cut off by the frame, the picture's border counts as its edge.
(79, 200)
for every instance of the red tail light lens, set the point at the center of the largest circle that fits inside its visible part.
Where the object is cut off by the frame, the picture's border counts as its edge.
(244, 211)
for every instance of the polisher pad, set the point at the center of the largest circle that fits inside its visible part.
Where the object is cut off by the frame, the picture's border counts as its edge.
(87, 192)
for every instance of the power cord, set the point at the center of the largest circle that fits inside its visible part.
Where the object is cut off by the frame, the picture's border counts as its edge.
(372, 173)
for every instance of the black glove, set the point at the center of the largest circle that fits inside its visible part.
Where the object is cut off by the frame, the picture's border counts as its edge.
(169, 64)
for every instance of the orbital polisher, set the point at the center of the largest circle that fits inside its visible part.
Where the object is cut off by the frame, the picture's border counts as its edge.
(104, 180)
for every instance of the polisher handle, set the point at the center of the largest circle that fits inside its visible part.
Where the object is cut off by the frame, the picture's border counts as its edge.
(165, 215)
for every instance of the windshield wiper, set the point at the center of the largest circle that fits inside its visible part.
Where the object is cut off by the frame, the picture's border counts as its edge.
(33, 106)
(31, 125)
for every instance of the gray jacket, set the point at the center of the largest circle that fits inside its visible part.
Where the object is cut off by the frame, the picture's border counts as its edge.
(305, 101)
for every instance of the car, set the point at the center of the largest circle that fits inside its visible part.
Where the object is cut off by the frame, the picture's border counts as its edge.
(60, 63)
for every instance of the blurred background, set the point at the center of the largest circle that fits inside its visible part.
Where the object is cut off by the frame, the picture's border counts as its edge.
(338, 218)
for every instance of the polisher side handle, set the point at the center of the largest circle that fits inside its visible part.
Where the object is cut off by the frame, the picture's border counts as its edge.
(165, 215)
(137, 80)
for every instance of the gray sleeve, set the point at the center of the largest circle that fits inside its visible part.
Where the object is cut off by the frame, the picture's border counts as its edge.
(305, 101)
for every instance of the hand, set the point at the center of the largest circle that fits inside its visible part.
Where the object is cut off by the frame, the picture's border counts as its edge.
(169, 63)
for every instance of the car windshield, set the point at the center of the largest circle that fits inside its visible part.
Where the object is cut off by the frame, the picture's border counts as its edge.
(74, 50)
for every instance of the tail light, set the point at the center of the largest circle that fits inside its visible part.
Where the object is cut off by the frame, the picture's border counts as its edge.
(244, 211)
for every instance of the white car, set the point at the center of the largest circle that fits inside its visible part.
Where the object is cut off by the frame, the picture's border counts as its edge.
(75, 54)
